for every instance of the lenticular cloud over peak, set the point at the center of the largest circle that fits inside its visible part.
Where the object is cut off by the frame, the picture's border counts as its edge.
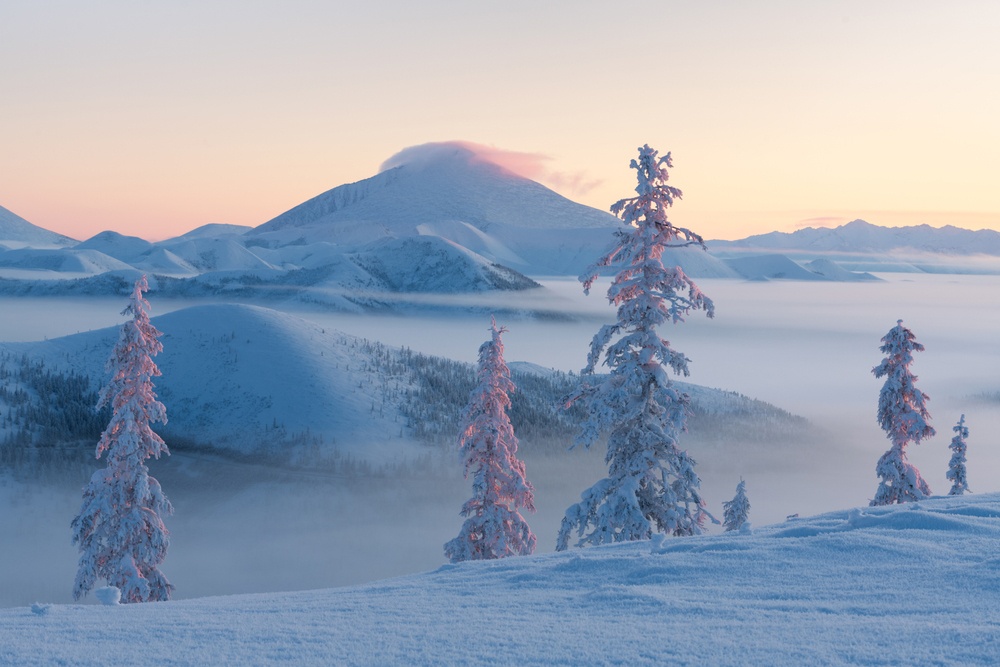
(527, 165)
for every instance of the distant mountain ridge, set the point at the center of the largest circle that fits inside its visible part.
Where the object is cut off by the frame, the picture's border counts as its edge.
(436, 220)
(442, 219)
(860, 236)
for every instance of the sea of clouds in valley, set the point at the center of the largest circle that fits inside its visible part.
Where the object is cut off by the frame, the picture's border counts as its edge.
(805, 347)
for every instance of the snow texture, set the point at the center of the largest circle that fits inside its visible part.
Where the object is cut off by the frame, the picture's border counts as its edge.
(915, 584)
(108, 595)
(651, 484)
(119, 530)
(903, 416)
(494, 527)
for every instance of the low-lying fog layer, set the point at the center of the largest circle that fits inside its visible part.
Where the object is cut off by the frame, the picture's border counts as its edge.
(806, 347)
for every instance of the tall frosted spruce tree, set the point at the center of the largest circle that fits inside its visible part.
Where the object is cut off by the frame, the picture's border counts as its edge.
(651, 483)
(956, 466)
(903, 416)
(494, 527)
(119, 531)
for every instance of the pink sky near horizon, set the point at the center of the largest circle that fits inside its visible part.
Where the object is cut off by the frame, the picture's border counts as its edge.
(154, 119)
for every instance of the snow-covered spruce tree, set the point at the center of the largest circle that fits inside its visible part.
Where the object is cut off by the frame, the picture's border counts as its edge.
(121, 536)
(735, 512)
(494, 527)
(651, 483)
(956, 467)
(903, 416)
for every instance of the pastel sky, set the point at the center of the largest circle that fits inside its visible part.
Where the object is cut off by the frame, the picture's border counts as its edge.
(152, 118)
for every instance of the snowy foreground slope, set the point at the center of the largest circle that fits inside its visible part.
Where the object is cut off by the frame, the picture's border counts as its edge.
(915, 584)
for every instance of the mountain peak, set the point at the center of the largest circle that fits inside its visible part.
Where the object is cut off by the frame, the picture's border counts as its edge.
(471, 195)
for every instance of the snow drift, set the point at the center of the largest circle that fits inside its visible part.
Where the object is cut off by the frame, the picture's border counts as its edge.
(907, 584)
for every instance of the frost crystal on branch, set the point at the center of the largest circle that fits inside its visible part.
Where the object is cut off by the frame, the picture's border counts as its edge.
(903, 416)
(121, 536)
(651, 483)
(956, 466)
(494, 527)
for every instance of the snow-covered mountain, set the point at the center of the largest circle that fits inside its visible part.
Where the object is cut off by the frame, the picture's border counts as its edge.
(904, 584)
(16, 232)
(442, 218)
(138, 253)
(452, 193)
(452, 186)
(859, 236)
(215, 253)
(847, 252)
(374, 271)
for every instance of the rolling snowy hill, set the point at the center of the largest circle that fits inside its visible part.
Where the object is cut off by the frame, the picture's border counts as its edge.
(57, 263)
(255, 382)
(913, 584)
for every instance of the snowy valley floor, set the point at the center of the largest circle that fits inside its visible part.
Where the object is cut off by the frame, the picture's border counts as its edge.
(917, 584)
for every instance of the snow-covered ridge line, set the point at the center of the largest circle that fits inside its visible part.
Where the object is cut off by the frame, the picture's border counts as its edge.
(862, 236)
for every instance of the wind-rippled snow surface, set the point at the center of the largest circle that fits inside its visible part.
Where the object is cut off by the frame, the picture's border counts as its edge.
(915, 584)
